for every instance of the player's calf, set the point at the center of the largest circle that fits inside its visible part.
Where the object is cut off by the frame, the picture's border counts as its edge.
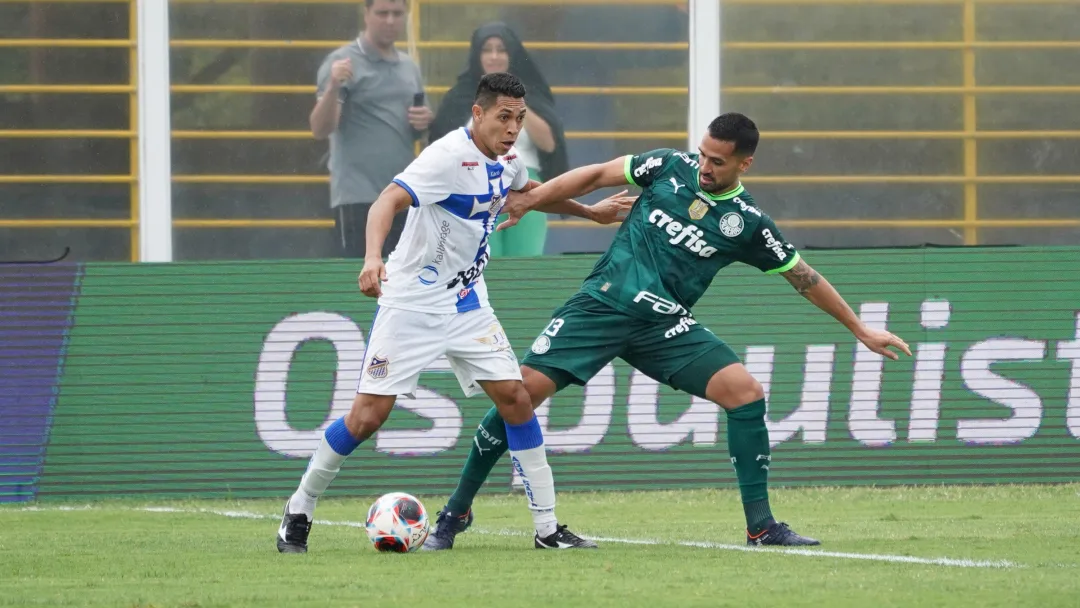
(367, 414)
(528, 455)
(734, 389)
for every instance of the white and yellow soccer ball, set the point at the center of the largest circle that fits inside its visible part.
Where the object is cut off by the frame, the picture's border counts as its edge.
(397, 523)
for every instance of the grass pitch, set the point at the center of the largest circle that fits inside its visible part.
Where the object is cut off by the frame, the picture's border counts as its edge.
(939, 546)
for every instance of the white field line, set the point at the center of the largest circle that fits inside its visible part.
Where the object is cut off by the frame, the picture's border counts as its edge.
(896, 559)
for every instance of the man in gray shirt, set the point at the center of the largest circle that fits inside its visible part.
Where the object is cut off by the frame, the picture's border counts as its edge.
(370, 104)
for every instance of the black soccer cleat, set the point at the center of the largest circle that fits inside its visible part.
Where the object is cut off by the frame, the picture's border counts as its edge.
(293, 532)
(780, 534)
(563, 539)
(447, 526)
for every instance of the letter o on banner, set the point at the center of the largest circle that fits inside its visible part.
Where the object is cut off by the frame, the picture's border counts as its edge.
(272, 375)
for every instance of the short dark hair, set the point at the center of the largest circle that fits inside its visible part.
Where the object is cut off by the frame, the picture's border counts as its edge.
(738, 129)
(497, 84)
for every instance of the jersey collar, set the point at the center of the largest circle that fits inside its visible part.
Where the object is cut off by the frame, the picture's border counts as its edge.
(371, 52)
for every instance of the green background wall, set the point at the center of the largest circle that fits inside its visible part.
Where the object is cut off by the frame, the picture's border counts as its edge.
(183, 379)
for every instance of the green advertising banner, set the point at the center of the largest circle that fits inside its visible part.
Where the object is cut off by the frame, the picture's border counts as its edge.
(218, 380)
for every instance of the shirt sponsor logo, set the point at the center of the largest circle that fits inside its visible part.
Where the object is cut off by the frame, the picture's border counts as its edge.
(689, 236)
(776, 246)
(465, 278)
(661, 305)
(650, 163)
(746, 208)
(681, 327)
(430, 273)
(686, 159)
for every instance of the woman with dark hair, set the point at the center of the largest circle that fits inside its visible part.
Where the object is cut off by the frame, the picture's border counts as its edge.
(541, 144)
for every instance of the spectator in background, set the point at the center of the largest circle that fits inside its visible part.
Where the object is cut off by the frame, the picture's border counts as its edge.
(370, 104)
(542, 145)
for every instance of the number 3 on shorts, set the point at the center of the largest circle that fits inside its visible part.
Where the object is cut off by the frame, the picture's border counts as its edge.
(543, 342)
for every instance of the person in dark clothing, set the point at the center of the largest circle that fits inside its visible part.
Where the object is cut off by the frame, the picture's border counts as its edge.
(542, 144)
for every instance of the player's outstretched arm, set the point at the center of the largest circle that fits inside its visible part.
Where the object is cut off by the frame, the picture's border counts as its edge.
(393, 200)
(822, 294)
(607, 211)
(573, 183)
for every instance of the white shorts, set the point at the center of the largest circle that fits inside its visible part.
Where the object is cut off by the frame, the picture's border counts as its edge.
(403, 343)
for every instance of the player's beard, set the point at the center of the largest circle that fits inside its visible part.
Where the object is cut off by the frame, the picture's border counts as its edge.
(715, 187)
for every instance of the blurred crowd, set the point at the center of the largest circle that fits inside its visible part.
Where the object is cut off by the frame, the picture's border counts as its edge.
(370, 104)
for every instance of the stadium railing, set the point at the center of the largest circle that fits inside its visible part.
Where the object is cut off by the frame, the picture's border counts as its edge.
(968, 90)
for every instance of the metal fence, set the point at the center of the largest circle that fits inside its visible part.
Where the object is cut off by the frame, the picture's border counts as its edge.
(946, 162)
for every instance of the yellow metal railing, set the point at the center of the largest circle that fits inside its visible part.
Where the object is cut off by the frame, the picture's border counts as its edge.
(968, 90)
(130, 90)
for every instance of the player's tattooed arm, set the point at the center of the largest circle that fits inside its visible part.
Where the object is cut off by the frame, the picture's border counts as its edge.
(822, 294)
(802, 277)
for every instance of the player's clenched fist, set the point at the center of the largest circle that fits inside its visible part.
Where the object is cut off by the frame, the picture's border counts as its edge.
(371, 277)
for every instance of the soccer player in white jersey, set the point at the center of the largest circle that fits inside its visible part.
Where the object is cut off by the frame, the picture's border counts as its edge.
(433, 302)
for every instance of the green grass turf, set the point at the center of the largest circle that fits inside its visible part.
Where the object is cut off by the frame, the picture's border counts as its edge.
(114, 554)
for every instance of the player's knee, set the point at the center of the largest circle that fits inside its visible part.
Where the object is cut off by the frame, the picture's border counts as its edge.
(746, 390)
(538, 385)
(514, 404)
(732, 388)
(751, 391)
(367, 415)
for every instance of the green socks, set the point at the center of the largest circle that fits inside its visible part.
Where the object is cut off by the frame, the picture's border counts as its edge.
(488, 446)
(748, 444)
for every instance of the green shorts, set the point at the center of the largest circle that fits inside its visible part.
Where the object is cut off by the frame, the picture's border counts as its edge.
(585, 334)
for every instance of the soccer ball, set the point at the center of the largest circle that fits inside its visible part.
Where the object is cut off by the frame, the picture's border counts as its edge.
(397, 522)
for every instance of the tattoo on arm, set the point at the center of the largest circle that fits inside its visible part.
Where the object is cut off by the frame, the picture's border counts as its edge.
(802, 277)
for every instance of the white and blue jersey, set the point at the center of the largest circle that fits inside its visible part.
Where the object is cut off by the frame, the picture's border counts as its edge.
(457, 193)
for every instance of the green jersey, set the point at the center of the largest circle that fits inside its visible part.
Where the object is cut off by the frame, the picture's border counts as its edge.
(676, 238)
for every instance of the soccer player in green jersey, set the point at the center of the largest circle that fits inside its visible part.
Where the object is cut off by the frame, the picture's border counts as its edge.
(692, 219)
